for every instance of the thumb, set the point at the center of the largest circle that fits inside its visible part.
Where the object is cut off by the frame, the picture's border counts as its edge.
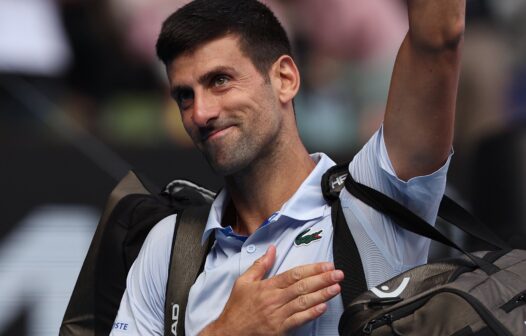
(261, 266)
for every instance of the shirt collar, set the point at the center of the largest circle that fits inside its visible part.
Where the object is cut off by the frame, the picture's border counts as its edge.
(307, 203)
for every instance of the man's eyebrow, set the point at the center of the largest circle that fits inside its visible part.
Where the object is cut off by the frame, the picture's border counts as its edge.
(209, 75)
(174, 91)
(203, 79)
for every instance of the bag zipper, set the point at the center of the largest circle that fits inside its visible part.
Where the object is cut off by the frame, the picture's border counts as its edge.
(394, 315)
(516, 301)
(364, 305)
(397, 314)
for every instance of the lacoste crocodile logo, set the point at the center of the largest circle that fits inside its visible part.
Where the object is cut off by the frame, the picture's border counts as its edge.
(305, 239)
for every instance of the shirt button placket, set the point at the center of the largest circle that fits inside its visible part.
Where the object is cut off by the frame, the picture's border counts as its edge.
(251, 248)
(248, 257)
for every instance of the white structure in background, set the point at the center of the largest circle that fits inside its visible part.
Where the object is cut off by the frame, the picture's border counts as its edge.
(40, 262)
(32, 39)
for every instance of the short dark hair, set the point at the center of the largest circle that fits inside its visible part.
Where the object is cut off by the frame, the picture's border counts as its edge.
(261, 36)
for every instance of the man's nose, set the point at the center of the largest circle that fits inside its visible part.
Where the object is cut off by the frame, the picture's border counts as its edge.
(205, 110)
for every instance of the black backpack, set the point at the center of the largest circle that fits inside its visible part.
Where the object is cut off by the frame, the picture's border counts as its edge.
(131, 211)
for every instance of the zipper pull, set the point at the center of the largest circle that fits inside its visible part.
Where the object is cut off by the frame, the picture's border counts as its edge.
(373, 324)
(388, 318)
(517, 301)
(368, 328)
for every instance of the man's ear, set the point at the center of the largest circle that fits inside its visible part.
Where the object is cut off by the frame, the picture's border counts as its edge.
(285, 78)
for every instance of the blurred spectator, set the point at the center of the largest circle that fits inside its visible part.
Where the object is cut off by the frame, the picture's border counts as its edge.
(488, 169)
(32, 39)
(482, 95)
(346, 51)
(351, 29)
(113, 91)
(33, 45)
(139, 23)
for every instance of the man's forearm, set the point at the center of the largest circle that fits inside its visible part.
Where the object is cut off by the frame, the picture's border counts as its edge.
(419, 119)
(436, 24)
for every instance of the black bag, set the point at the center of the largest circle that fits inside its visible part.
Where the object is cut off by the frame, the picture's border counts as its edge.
(482, 293)
(130, 213)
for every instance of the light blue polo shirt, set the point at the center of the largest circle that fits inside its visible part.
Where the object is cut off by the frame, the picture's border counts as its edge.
(384, 249)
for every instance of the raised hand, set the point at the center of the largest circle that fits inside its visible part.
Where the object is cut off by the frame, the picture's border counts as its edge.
(276, 305)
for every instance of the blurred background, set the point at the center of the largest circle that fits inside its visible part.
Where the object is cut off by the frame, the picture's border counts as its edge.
(83, 99)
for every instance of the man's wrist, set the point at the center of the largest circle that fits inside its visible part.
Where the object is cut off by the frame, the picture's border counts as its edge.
(214, 329)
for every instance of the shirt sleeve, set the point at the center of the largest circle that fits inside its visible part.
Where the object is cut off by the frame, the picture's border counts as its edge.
(141, 311)
(385, 249)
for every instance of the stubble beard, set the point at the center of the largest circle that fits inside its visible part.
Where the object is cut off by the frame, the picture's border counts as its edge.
(233, 157)
(230, 159)
(241, 152)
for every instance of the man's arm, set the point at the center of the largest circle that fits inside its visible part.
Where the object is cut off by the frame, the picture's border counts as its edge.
(419, 119)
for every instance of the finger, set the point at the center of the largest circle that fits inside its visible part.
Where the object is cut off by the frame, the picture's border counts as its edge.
(261, 266)
(303, 317)
(296, 274)
(312, 284)
(306, 302)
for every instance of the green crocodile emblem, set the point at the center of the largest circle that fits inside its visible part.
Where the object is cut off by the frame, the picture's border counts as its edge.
(305, 239)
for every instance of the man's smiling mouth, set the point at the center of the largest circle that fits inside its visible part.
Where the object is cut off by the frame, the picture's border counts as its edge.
(210, 134)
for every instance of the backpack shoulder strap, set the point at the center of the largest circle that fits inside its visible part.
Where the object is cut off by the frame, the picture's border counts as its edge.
(333, 181)
(346, 255)
(186, 262)
(133, 208)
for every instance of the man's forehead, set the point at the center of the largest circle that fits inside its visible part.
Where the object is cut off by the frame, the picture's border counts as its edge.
(224, 51)
(221, 46)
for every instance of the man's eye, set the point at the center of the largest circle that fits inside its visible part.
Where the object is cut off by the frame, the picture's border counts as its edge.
(220, 80)
(184, 99)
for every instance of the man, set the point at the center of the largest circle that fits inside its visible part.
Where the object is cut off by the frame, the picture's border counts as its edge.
(270, 270)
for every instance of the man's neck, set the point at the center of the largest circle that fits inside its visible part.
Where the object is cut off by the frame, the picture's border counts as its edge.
(260, 190)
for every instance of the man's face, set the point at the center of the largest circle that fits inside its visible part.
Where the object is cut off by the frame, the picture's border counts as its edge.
(228, 108)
